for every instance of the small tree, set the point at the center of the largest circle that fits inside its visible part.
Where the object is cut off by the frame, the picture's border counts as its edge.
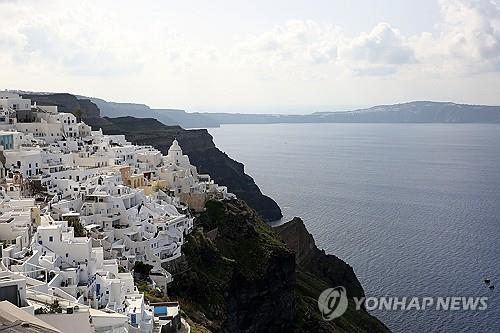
(78, 114)
(142, 270)
(79, 230)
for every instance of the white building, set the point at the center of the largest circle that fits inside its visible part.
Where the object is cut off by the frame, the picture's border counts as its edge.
(10, 103)
(107, 206)
(17, 218)
(33, 301)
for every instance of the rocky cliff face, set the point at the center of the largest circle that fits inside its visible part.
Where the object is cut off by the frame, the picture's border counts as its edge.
(203, 153)
(311, 259)
(241, 277)
(67, 103)
(317, 271)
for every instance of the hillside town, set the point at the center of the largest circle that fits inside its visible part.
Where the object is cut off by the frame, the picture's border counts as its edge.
(81, 213)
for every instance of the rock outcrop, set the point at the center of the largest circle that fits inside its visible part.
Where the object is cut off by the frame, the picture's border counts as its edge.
(240, 280)
(317, 271)
(241, 277)
(315, 261)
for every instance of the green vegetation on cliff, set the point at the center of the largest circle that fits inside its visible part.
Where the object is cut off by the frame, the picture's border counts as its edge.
(239, 275)
(243, 277)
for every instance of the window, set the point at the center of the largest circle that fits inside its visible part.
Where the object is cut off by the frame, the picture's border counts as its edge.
(51, 239)
(67, 255)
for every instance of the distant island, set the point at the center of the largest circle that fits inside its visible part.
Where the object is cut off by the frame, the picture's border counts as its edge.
(410, 112)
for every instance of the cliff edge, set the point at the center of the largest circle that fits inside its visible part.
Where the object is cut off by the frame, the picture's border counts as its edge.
(317, 271)
(310, 259)
(240, 277)
(199, 146)
(243, 276)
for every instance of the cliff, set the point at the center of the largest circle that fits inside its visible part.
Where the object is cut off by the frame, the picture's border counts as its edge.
(239, 280)
(317, 271)
(166, 116)
(198, 144)
(411, 112)
(67, 103)
(203, 153)
(315, 261)
(417, 112)
(244, 278)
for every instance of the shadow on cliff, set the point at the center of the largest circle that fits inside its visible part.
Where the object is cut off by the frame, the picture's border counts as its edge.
(243, 276)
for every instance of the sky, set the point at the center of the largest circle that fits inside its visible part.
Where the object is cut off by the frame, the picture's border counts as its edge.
(276, 56)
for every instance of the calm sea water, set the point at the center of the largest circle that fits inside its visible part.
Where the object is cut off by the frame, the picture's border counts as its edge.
(414, 208)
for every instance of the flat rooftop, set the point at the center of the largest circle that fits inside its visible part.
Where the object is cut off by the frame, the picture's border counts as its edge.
(14, 319)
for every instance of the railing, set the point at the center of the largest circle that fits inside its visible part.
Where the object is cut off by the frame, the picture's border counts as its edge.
(48, 300)
(23, 273)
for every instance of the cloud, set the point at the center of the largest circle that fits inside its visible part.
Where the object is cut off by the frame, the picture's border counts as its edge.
(297, 41)
(472, 28)
(87, 40)
(65, 42)
(377, 52)
(467, 40)
(102, 46)
(76, 54)
(374, 71)
(383, 45)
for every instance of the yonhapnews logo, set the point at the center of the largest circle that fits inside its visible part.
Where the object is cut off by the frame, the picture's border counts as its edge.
(332, 302)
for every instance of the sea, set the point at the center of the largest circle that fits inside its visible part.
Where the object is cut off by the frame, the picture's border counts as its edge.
(413, 208)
